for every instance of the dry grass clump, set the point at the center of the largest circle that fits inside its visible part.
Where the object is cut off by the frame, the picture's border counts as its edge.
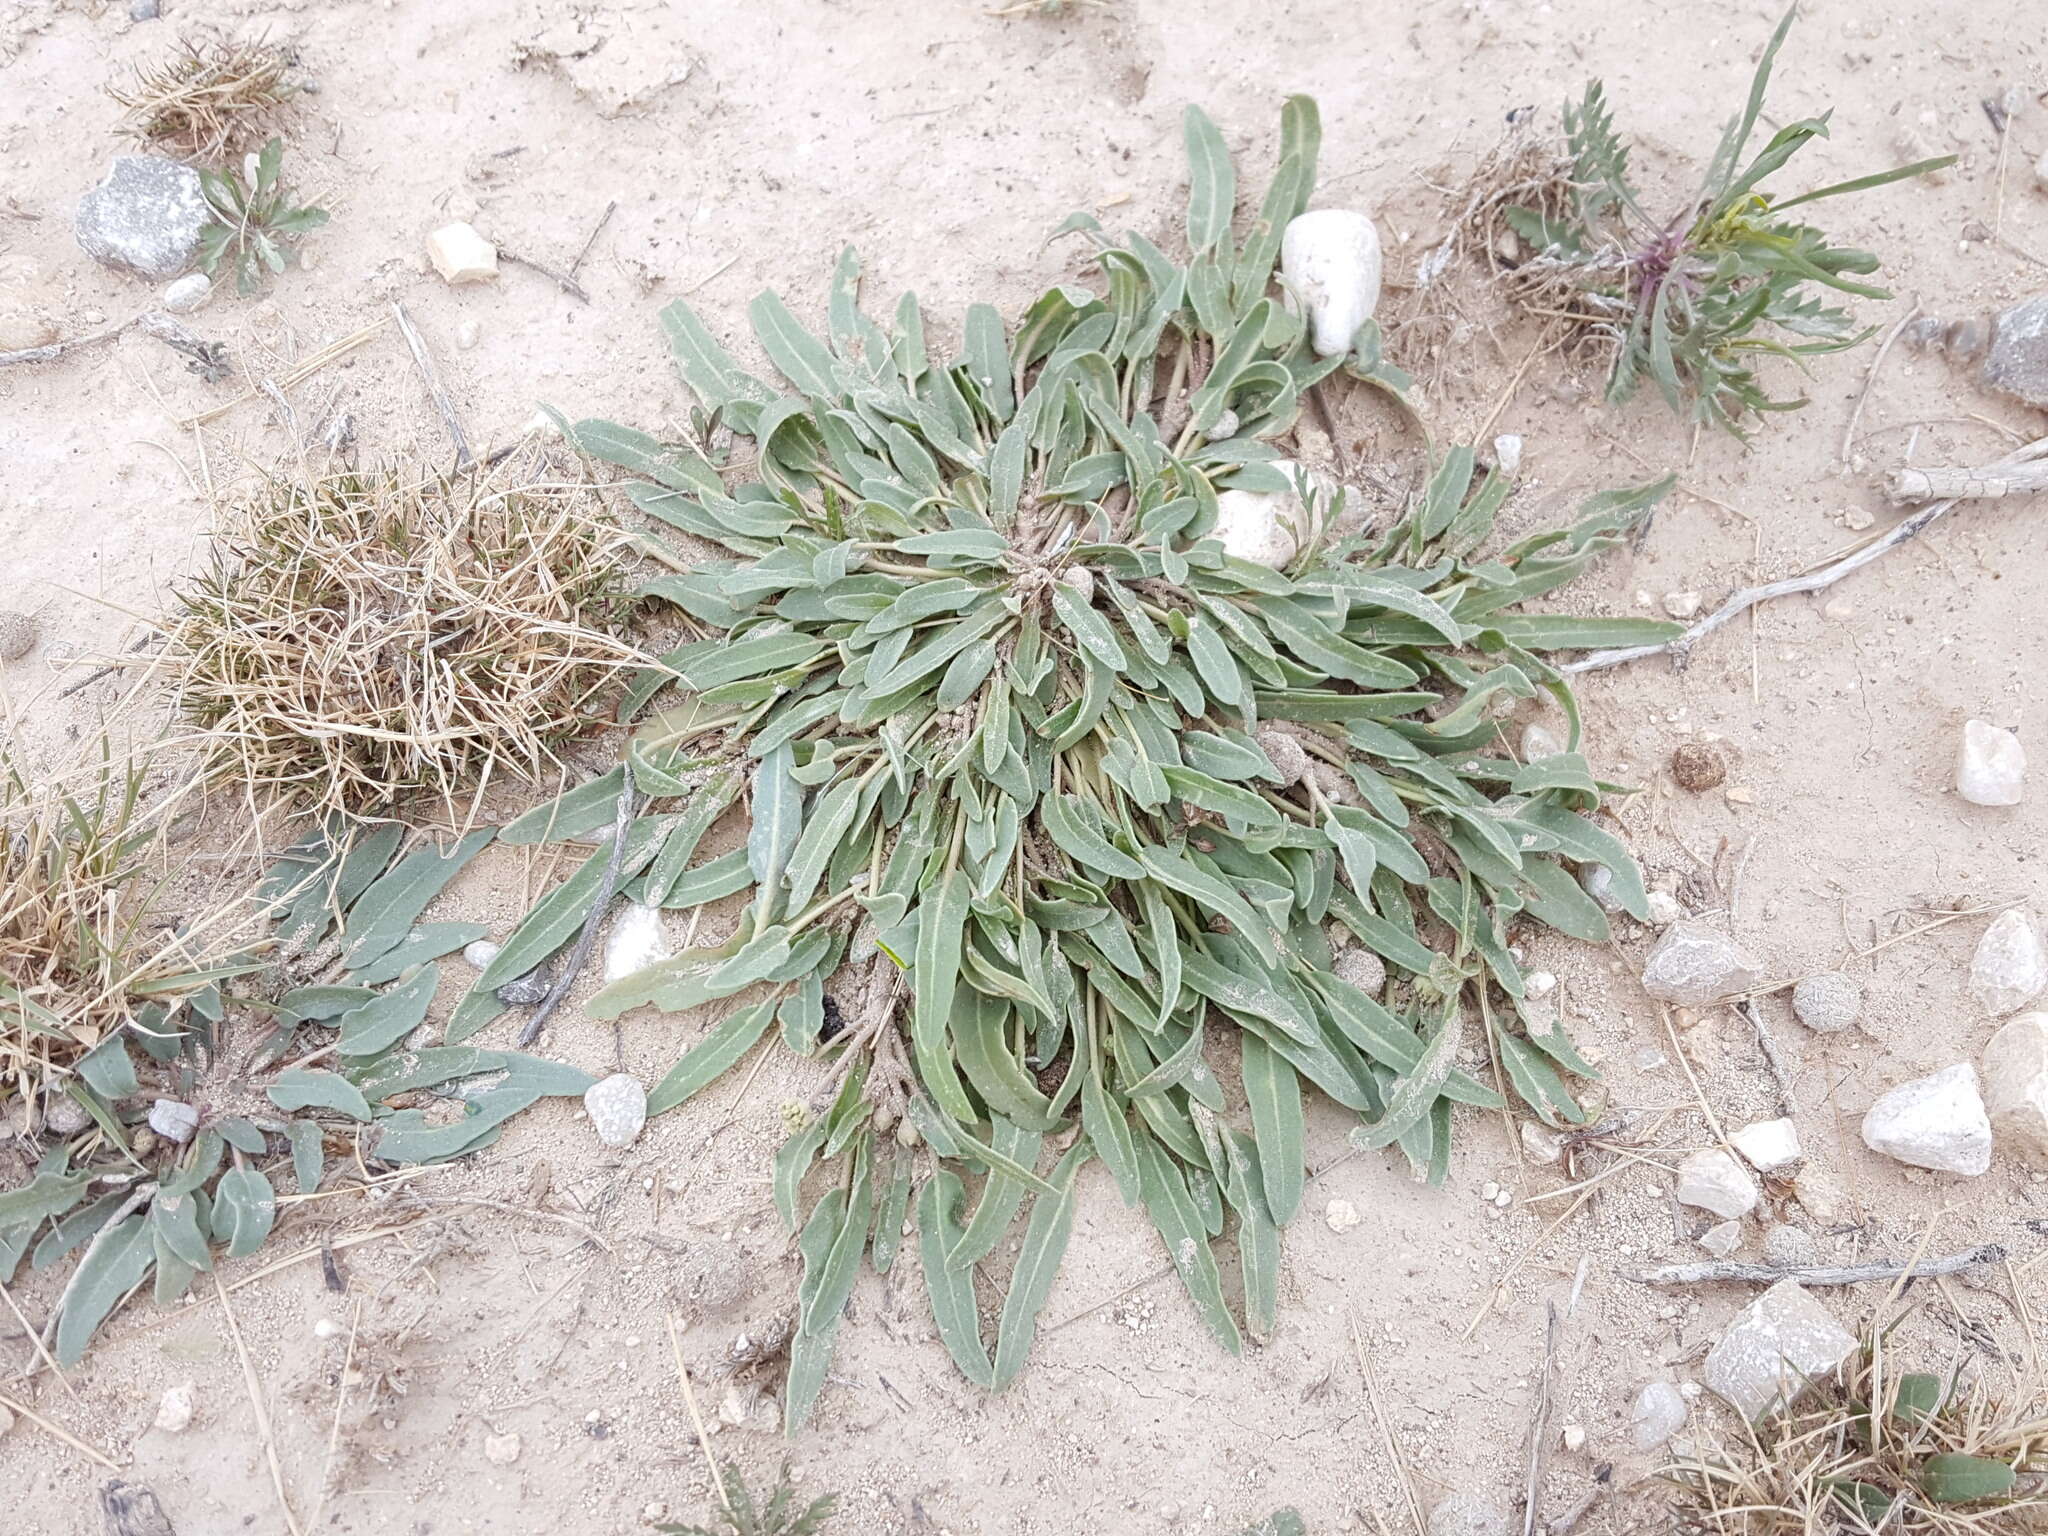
(1952, 1455)
(206, 100)
(365, 636)
(87, 943)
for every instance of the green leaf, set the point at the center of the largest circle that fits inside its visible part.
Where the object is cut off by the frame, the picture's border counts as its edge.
(429, 941)
(1212, 184)
(1953, 1478)
(384, 914)
(935, 978)
(244, 1209)
(712, 1057)
(1187, 1240)
(313, 1088)
(382, 1022)
(1274, 1094)
(1038, 1264)
(108, 1273)
(48, 1194)
(951, 1290)
(308, 1155)
(107, 1069)
(1075, 829)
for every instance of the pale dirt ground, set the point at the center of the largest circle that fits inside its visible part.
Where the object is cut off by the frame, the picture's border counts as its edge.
(944, 142)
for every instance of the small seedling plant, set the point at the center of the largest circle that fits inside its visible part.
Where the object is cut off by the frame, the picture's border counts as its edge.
(780, 1515)
(255, 222)
(1693, 301)
(1061, 817)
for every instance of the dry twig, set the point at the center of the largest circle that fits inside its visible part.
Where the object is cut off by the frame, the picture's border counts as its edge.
(1821, 1274)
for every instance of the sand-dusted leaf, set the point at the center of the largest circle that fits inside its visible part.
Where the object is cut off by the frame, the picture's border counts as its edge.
(376, 1026)
(48, 1194)
(1174, 1213)
(710, 1058)
(1038, 1263)
(244, 1210)
(1955, 1478)
(308, 1155)
(383, 916)
(316, 1088)
(110, 1271)
(952, 1290)
(429, 941)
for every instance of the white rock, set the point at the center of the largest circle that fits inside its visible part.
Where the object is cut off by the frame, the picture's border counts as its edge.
(173, 1121)
(1538, 984)
(2010, 967)
(1466, 1514)
(635, 942)
(617, 1107)
(1542, 1144)
(1341, 1216)
(1790, 1247)
(188, 293)
(1776, 1347)
(1828, 1003)
(467, 334)
(1597, 881)
(1539, 741)
(2041, 171)
(481, 953)
(1573, 1437)
(64, 1115)
(461, 255)
(1330, 261)
(501, 1450)
(327, 1328)
(146, 217)
(1657, 1414)
(1681, 605)
(1695, 964)
(1991, 767)
(1769, 1145)
(1933, 1122)
(174, 1410)
(1714, 1181)
(1269, 528)
(1507, 452)
(2016, 1087)
(1664, 909)
(1722, 1239)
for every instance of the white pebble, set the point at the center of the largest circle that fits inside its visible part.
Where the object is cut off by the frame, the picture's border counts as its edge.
(188, 293)
(1362, 968)
(1722, 1239)
(173, 1120)
(617, 1107)
(174, 1410)
(1539, 741)
(1681, 605)
(1573, 1438)
(1658, 1413)
(1714, 1181)
(2010, 968)
(1340, 1215)
(1664, 909)
(1991, 765)
(1936, 1122)
(501, 1450)
(1538, 984)
(1330, 262)
(636, 941)
(2016, 1087)
(461, 255)
(1695, 964)
(1507, 452)
(1769, 1145)
(1542, 1144)
(326, 1328)
(481, 953)
(467, 334)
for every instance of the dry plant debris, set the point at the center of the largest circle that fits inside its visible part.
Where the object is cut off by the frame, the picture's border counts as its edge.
(364, 636)
(1879, 1449)
(1124, 809)
(87, 945)
(207, 100)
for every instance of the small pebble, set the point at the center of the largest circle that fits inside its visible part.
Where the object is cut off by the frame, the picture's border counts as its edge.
(481, 953)
(1681, 605)
(144, 10)
(17, 636)
(1828, 1003)
(1541, 1143)
(174, 1410)
(1538, 984)
(617, 1107)
(1839, 611)
(1658, 1413)
(501, 1450)
(1937, 1122)
(1597, 881)
(1664, 909)
(461, 255)
(1340, 1215)
(2010, 966)
(2016, 1088)
(1722, 1239)
(1362, 968)
(326, 1328)
(1507, 448)
(1769, 1145)
(524, 991)
(188, 293)
(467, 334)
(1790, 1247)
(1714, 1181)
(1573, 1438)
(1856, 519)
(1539, 741)
(1696, 964)
(1991, 765)
(173, 1121)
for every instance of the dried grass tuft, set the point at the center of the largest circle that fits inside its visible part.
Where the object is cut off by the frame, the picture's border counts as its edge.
(89, 942)
(368, 636)
(1831, 1466)
(207, 100)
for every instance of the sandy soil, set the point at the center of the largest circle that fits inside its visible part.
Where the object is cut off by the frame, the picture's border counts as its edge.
(744, 144)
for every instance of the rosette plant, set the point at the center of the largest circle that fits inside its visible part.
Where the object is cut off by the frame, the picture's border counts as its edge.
(1073, 838)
